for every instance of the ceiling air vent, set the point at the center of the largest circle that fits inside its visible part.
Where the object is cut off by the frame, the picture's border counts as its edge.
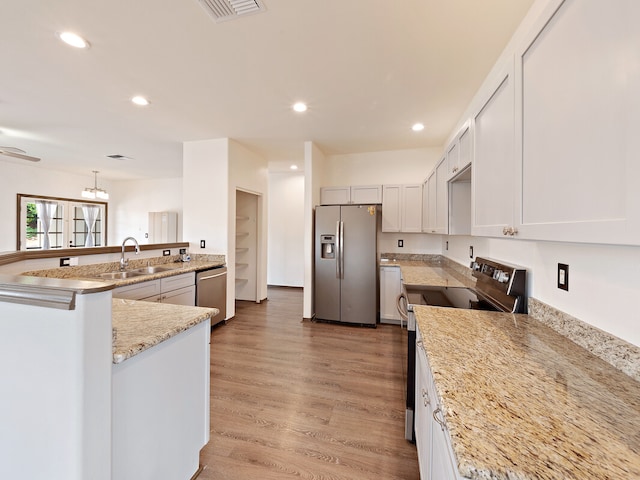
(222, 10)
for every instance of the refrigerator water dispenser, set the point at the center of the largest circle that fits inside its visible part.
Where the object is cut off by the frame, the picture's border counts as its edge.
(328, 246)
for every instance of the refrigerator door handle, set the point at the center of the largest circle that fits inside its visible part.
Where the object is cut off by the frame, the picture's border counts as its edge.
(337, 253)
(341, 251)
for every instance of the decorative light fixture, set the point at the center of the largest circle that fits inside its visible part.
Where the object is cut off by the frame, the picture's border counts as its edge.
(417, 127)
(95, 192)
(300, 107)
(73, 39)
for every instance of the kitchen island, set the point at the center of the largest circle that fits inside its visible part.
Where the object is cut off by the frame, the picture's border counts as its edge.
(80, 366)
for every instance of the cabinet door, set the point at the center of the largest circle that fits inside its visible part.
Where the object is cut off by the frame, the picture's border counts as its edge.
(578, 163)
(181, 296)
(464, 158)
(138, 291)
(422, 415)
(432, 197)
(335, 195)
(411, 212)
(442, 197)
(390, 288)
(493, 164)
(364, 195)
(425, 206)
(177, 281)
(453, 157)
(391, 208)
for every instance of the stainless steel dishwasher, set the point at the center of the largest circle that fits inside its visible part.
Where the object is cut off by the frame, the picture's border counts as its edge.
(211, 291)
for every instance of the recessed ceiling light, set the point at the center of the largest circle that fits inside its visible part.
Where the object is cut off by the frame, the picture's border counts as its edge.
(73, 39)
(293, 167)
(140, 100)
(300, 107)
(417, 127)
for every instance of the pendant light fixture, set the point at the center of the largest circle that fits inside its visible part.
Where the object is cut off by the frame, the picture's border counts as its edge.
(95, 192)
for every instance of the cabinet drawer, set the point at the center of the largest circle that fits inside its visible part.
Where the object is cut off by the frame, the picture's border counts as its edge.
(177, 281)
(182, 296)
(138, 291)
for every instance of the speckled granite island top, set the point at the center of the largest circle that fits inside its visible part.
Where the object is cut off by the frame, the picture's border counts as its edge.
(522, 402)
(140, 325)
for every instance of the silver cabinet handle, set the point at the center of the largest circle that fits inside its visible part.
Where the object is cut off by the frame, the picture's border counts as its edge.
(425, 397)
(337, 254)
(438, 421)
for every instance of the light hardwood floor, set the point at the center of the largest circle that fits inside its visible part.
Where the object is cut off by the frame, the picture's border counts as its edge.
(297, 399)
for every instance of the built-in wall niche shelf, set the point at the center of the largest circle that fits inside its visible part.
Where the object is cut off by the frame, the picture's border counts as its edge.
(246, 251)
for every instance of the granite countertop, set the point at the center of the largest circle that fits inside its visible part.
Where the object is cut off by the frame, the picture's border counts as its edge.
(428, 273)
(139, 325)
(91, 272)
(522, 401)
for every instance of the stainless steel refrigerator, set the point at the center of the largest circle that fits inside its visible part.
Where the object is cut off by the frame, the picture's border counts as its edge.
(345, 264)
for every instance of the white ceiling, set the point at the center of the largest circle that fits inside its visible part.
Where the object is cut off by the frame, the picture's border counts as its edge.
(368, 70)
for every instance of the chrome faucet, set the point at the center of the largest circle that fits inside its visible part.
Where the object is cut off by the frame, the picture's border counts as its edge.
(125, 263)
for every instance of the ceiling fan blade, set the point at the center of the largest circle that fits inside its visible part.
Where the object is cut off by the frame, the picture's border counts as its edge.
(19, 155)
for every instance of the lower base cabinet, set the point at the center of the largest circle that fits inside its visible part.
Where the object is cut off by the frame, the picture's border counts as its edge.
(177, 289)
(435, 454)
(160, 408)
(390, 288)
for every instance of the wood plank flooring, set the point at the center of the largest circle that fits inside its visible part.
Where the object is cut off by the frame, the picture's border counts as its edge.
(298, 399)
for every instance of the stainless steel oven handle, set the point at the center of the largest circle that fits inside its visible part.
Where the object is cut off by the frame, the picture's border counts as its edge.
(401, 305)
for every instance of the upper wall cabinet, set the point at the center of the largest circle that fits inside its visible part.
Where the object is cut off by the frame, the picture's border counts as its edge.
(459, 153)
(492, 210)
(402, 208)
(357, 195)
(436, 199)
(577, 123)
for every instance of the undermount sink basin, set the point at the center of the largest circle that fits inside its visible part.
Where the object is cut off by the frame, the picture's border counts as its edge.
(152, 269)
(118, 275)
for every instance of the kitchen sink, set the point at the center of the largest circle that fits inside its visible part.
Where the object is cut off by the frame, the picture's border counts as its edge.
(118, 275)
(152, 269)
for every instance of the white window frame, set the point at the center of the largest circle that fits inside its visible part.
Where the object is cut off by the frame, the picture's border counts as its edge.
(67, 205)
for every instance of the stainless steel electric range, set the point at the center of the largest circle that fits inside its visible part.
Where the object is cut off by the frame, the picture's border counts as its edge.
(500, 287)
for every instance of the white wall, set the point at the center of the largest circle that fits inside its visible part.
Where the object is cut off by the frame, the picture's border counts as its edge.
(604, 280)
(315, 171)
(205, 195)
(134, 199)
(249, 172)
(376, 168)
(26, 178)
(286, 230)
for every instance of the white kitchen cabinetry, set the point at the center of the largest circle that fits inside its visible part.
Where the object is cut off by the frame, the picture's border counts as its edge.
(430, 204)
(436, 199)
(459, 153)
(177, 289)
(577, 129)
(402, 208)
(390, 288)
(354, 195)
(435, 453)
(493, 189)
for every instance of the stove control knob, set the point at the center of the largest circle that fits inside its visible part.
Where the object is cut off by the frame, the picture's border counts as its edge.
(503, 277)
